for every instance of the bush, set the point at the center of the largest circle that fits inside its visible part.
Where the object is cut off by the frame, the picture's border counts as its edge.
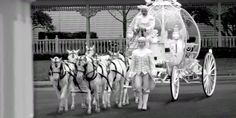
(66, 35)
(82, 35)
(42, 35)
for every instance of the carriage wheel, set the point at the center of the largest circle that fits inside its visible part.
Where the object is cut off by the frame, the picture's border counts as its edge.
(209, 74)
(174, 84)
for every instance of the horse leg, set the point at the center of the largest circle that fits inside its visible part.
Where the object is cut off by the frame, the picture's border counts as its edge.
(72, 87)
(58, 96)
(136, 96)
(66, 104)
(116, 92)
(104, 98)
(83, 104)
(121, 84)
(110, 79)
(127, 99)
(97, 94)
(62, 100)
(89, 100)
(65, 96)
(125, 94)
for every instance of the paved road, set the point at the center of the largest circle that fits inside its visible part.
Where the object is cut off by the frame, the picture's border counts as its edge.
(192, 103)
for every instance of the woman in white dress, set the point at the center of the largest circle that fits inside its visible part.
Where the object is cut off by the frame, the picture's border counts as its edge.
(142, 71)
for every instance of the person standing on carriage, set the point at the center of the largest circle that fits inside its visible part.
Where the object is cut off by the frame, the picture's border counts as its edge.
(141, 72)
(145, 23)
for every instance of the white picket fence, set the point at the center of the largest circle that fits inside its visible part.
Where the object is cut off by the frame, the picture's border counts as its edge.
(59, 46)
(226, 42)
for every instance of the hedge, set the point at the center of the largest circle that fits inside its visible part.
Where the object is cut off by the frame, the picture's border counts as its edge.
(66, 35)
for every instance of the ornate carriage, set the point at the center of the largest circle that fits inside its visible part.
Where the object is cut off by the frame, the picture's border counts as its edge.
(175, 47)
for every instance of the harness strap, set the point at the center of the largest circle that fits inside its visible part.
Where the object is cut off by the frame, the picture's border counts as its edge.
(117, 72)
(94, 73)
(114, 70)
(73, 75)
(126, 61)
(102, 75)
(58, 86)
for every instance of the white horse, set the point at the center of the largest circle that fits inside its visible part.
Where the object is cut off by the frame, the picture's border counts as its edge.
(77, 83)
(117, 76)
(94, 81)
(60, 79)
(102, 64)
(101, 68)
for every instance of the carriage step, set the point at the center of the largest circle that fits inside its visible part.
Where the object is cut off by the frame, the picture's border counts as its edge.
(161, 80)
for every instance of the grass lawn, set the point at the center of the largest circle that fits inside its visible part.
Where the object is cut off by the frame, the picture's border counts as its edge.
(41, 69)
(225, 66)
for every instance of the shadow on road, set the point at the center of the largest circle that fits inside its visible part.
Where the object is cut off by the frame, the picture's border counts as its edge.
(189, 97)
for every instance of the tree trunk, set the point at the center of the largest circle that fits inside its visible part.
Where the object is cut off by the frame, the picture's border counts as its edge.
(124, 21)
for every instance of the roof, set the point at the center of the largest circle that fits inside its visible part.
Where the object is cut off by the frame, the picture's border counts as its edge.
(62, 3)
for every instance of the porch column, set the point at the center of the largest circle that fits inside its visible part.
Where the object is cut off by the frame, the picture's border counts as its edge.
(16, 72)
(219, 24)
(88, 13)
(87, 24)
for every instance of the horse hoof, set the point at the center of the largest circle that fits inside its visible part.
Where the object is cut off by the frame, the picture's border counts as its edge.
(124, 104)
(119, 105)
(105, 106)
(109, 105)
(66, 110)
(72, 107)
(83, 106)
(60, 111)
(98, 110)
(89, 112)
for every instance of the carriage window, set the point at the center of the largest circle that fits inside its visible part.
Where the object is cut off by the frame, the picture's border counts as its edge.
(191, 40)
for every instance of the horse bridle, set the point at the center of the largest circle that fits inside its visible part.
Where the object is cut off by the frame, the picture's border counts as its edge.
(56, 72)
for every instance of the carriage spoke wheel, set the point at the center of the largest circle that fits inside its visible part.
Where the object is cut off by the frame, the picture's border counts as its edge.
(174, 84)
(209, 74)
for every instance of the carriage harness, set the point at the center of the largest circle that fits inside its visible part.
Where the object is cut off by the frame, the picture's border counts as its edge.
(126, 62)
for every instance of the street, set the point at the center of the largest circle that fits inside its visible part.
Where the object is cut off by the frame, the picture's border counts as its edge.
(192, 103)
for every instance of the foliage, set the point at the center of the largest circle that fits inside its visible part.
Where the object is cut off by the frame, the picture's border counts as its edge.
(229, 21)
(201, 15)
(43, 19)
(66, 35)
(124, 15)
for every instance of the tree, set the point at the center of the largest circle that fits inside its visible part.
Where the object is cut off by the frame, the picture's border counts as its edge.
(124, 14)
(229, 22)
(201, 15)
(43, 19)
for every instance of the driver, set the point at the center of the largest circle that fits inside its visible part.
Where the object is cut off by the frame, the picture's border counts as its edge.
(144, 23)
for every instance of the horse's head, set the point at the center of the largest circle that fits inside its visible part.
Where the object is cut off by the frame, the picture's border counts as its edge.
(56, 68)
(85, 65)
(105, 59)
(80, 63)
(90, 51)
(73, 55)
(116, 55)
